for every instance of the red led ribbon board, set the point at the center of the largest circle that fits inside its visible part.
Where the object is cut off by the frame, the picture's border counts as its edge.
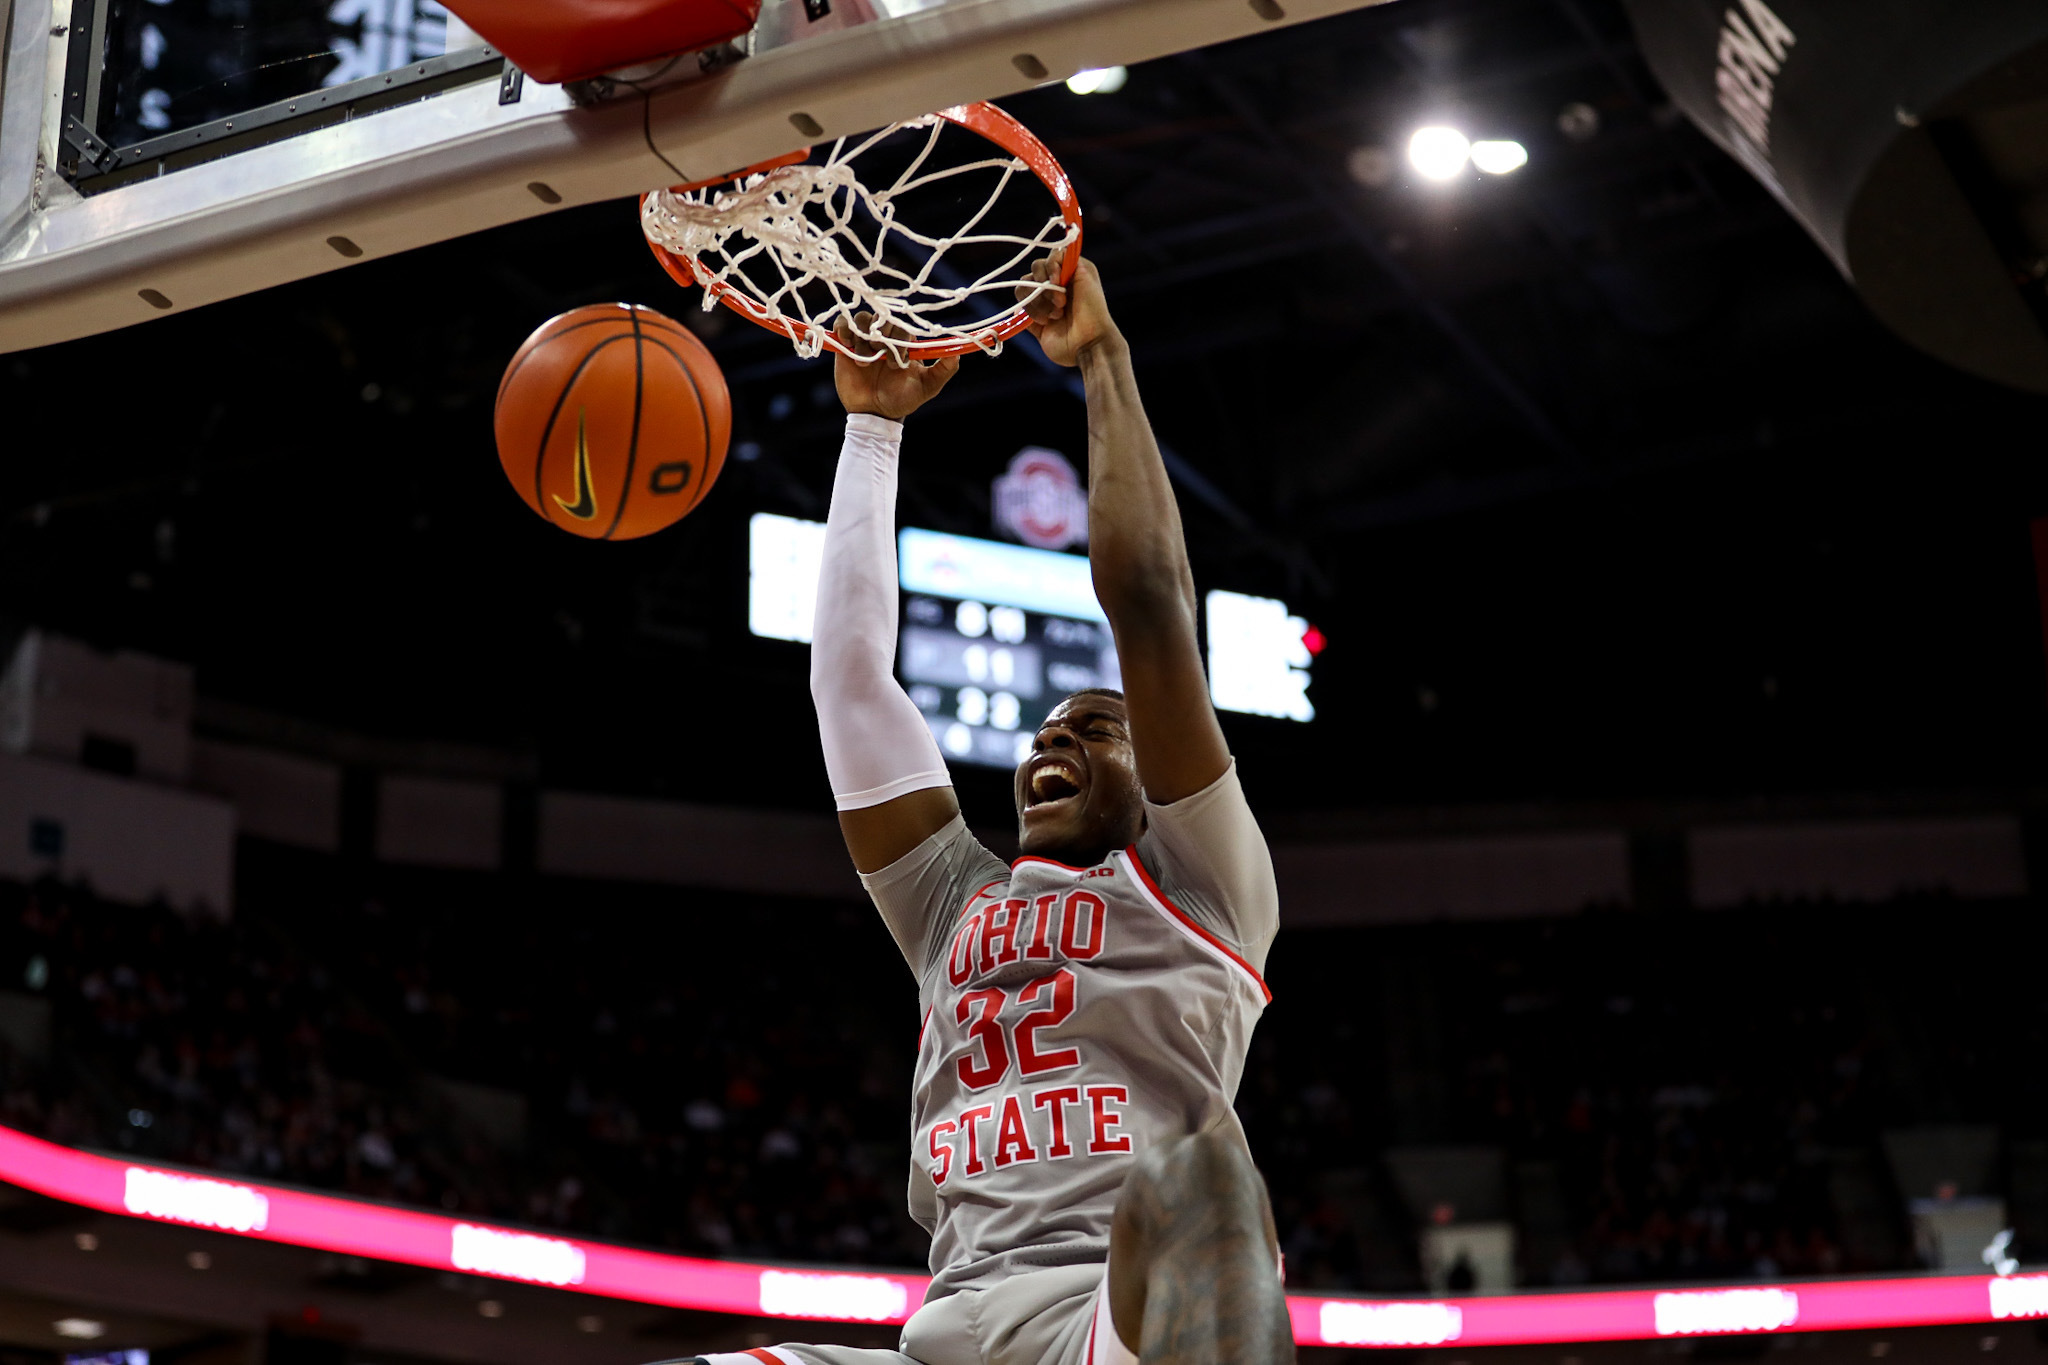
(414, 1237)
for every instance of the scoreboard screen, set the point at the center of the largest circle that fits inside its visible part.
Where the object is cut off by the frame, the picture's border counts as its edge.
(993, 635)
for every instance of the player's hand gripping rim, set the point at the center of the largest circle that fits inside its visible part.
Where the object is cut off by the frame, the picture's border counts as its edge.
(1071, 322)
(883, 385)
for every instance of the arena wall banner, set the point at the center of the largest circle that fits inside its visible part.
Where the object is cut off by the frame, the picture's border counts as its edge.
(1904, 136)
(414, 1237)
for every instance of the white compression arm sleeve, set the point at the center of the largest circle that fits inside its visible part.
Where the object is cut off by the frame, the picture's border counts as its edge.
(877, 745)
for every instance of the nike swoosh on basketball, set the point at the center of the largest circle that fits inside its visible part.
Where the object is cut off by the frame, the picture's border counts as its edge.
(585, 506)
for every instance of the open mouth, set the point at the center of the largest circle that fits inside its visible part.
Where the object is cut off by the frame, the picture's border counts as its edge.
(1051, 784)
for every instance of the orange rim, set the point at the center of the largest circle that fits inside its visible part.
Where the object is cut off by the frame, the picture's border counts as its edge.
(980, 118)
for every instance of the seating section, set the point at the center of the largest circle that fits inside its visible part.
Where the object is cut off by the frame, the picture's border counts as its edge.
(1678, 1097)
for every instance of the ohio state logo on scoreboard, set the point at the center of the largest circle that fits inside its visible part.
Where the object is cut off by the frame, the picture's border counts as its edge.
(1039, 500)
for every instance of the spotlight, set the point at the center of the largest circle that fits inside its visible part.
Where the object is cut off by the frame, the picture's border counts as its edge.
(1438, 153)
(1499, 158)
(1103, 80)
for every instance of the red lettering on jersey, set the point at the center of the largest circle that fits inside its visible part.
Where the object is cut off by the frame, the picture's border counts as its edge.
(1041, 926)
(1057, 1101)
(960, 965)
(1100, 1097)
(943, 1155)
(986, 1032)
(1081, 929)
(1013, 1140)
(968, 1118)
(999, 925)
(1030, 1061)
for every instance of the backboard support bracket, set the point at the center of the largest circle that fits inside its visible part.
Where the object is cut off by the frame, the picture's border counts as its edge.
(84, 35)
(95, 154)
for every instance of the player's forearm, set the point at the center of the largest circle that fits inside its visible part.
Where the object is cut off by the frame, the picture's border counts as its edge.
(854, 636)
(877, 746)
(1136, 550)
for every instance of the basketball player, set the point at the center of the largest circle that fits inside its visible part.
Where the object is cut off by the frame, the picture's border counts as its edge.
(1086, 1009)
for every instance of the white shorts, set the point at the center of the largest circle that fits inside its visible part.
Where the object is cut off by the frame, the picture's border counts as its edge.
(1056, 1316)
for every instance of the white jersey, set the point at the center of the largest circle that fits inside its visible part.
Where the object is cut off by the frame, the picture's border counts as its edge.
(1072, 1017)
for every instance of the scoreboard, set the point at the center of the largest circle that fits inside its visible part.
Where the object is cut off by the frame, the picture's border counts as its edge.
(993, 635)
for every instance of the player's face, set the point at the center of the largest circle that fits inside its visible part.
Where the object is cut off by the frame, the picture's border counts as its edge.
(1077, 794)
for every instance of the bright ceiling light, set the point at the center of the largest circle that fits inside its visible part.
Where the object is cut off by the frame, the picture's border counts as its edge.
(1499, 158)
(1104, 80)
(1438, 153)
(79, 1329)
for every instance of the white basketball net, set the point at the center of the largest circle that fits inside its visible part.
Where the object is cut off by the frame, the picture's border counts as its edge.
(824, 234)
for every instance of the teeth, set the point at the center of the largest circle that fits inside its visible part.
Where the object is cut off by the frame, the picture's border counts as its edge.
(1043, 781)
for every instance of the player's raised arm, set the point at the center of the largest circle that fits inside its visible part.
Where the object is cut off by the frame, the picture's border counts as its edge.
(888, 776)
(1135, 548)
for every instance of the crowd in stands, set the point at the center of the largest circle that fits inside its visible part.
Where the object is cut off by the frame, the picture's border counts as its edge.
(673, 1093)
(1671, 1097)
(198, 1041)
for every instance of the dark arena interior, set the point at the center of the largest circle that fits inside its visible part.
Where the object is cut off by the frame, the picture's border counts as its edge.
(1660, 856)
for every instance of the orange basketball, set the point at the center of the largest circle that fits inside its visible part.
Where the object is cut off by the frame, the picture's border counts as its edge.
(612, 421)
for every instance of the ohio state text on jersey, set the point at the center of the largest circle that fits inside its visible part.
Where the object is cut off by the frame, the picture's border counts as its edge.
(1072, 1017)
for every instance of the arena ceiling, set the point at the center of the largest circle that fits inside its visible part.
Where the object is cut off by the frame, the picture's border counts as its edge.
(1597, 476)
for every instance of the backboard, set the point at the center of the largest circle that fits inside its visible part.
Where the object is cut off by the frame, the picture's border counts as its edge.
(158, 155)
